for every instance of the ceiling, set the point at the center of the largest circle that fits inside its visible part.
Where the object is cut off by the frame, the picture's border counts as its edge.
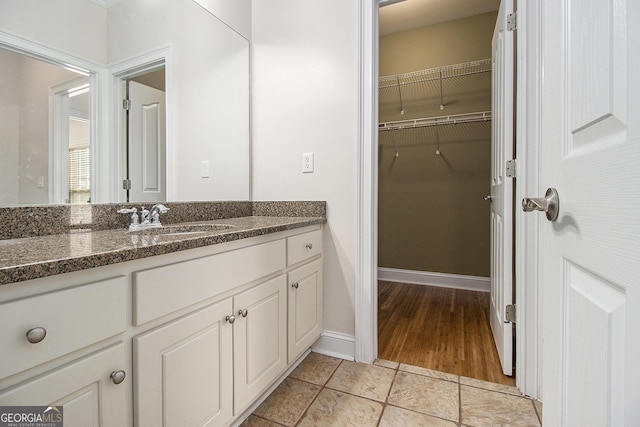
(410, 14)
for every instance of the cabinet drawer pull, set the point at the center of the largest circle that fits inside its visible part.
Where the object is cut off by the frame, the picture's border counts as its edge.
(243, 312)
(118, 376)
(230, 319)
(36, 335)
(295, 285)
(309, 246)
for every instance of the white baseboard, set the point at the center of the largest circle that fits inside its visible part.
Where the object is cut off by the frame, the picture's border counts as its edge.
(336, 344)
(443, 280)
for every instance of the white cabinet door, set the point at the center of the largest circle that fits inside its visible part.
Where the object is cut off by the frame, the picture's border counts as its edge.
(259, 337)
(83, 388)
(305, 307)
(184, 370)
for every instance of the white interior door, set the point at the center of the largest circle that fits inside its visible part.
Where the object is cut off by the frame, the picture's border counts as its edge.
(590, 256)
(502, 186)
(147, 148)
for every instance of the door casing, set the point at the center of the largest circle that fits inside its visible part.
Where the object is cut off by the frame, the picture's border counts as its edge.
(528, 70)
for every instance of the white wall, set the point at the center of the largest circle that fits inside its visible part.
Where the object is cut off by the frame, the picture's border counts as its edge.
(305, 99)
(41, 21)
(9, 128)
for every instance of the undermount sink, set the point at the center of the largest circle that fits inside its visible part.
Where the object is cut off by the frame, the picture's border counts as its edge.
(181, 229)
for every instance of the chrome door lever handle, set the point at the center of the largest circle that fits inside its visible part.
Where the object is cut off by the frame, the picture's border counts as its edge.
(549, 204)
(488, 198)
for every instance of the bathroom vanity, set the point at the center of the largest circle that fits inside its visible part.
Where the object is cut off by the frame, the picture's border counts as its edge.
(187, 337)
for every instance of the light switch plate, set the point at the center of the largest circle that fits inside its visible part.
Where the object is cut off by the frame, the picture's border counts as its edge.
(307, 162)
(204, 172)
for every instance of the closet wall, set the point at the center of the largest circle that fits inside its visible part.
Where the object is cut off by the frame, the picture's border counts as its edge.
(432, 216)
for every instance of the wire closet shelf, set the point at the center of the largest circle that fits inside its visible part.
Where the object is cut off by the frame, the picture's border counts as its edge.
(435, 74)
(480, 116)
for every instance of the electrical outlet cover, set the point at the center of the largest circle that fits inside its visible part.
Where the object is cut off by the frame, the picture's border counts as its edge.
(307, 162)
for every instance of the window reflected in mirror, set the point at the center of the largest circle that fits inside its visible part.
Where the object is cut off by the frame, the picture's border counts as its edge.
(79, 161)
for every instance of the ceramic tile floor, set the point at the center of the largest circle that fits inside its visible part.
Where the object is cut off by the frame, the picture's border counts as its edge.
(325, 391)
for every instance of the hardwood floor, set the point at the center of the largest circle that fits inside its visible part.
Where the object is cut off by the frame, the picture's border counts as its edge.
(438, 328)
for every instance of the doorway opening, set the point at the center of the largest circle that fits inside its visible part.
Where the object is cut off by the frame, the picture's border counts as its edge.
(434, 170)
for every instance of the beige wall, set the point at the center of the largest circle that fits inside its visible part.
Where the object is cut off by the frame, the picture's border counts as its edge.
(431, 213)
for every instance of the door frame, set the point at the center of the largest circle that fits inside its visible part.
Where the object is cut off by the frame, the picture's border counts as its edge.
(59, 113)
(147, 61)
(528, 70)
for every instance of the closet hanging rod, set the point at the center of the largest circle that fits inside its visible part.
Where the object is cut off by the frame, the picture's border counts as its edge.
(438, 73)
(480, 116)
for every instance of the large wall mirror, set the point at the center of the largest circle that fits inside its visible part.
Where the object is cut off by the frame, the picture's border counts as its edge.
(64, 134)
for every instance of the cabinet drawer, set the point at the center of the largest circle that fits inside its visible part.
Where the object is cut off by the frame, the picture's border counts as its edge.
(72, 318)
(303, 246)
(83, 388)
(163, 290)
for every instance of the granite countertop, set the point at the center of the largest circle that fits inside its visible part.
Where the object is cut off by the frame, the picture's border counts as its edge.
(35, 257)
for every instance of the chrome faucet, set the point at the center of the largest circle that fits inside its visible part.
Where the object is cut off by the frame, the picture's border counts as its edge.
(134, 217)
(146, 218)
(154, 213)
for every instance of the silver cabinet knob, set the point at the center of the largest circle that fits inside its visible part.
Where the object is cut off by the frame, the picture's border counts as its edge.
(488, 198)
(118, 376)
(295, 285)
(243, 312)
(309, 246)
(36, 335)
(549, 204)
(230, 319)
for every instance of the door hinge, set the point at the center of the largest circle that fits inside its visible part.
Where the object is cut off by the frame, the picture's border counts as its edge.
(510, 313)
(126, 184)
(126, 104)
(511, 168)
(512, 21)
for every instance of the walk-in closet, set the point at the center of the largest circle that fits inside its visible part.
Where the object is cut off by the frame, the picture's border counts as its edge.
(434, 172)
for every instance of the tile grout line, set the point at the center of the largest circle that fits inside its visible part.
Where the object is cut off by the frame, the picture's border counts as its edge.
(386, 399)
(398, 370)
(266, 419)
(322, 387)
(533, 402)
(496, 391)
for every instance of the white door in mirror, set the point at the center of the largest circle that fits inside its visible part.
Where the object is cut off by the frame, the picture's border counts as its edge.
(147, 144)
